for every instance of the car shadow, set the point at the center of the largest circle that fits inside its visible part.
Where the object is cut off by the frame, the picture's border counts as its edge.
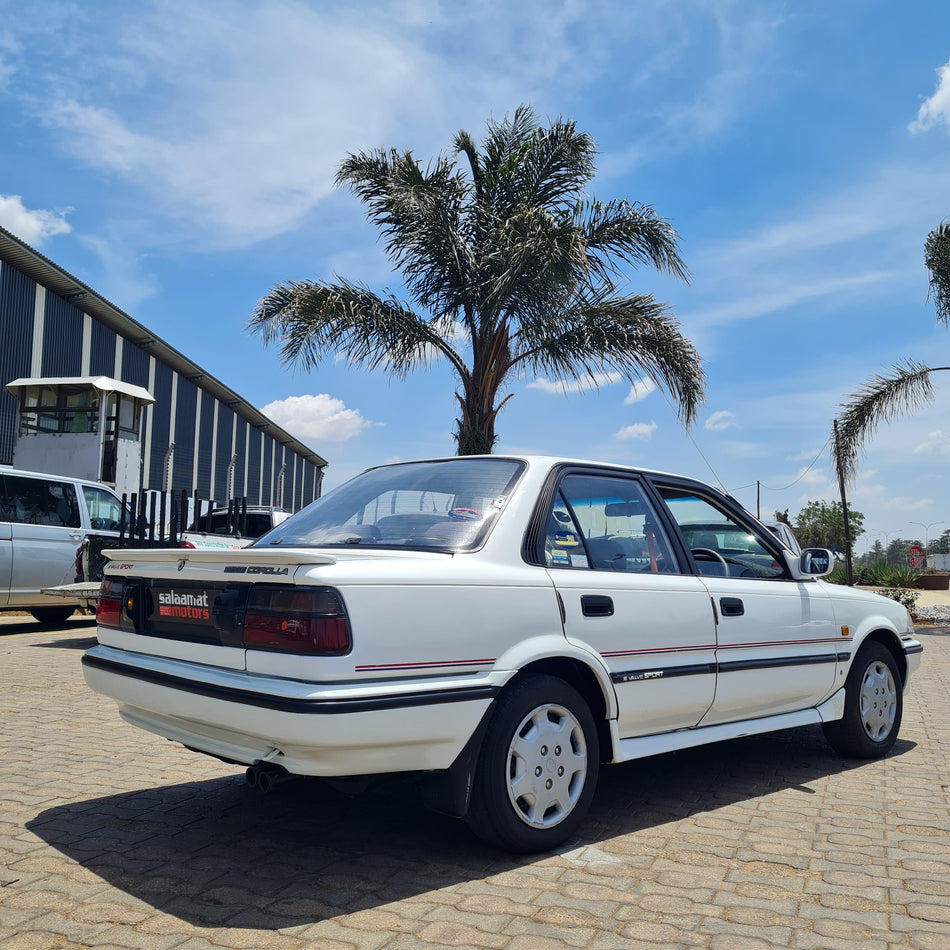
(71, 643)
(218, 853)
(11, 627)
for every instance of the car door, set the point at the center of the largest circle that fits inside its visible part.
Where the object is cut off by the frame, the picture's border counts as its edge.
(6, 546)
(777, 641)
(45, 533)
(626, 597)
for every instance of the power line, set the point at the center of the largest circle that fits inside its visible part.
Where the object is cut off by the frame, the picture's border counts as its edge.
(805, 472)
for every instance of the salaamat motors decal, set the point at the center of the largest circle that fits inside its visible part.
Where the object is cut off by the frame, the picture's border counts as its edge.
(183, 606)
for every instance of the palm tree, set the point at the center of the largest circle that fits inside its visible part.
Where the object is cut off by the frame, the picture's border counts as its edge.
(511, 270)
(908, 386)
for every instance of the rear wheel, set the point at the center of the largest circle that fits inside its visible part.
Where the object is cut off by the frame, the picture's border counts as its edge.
(52, 616)
(538, 767)
(873, 706)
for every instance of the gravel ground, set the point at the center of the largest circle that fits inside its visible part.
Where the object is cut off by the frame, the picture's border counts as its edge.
(938, 615)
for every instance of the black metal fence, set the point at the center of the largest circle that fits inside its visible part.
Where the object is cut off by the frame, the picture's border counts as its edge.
(159, 521)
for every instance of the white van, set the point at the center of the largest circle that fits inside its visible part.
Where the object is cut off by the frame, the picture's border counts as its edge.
(43, 519)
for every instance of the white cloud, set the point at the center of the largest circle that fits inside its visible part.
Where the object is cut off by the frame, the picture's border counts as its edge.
(936, 109)
(564, 387)
(639, 390)
(719, 421)
(258, 104)
(639, 430)
(317, 418)
(745, 450)
(34, 227)
(232, 115)
(123, 281)
(834, 249)
(936, 443)
(907, 503)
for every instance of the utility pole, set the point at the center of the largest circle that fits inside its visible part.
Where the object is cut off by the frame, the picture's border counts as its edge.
(844, 510)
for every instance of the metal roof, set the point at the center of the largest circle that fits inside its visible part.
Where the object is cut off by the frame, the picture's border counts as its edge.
(103, 383)
(42, 270)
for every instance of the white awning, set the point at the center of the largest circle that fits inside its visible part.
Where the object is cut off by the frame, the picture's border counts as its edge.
(103, 383)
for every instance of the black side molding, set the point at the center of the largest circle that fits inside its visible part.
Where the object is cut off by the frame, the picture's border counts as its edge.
(288, 704)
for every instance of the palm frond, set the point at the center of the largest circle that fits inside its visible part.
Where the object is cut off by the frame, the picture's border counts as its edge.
(937, 259)
(633, 335)
(630, 232)
(312, 321)
(881, 399)
(420, 215)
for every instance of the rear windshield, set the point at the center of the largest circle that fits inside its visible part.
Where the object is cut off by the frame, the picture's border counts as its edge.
(446, 505)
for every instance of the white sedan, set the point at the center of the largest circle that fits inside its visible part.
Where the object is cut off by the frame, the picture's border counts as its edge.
(501, 626)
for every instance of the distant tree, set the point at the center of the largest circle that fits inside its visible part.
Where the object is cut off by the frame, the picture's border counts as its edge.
(820, 524)
(876, 552)
(898, 551)
(511, 269)
(909, 384)
(940, 545)
(781, 516)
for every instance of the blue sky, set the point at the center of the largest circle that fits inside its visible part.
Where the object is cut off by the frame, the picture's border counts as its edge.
(178, 157)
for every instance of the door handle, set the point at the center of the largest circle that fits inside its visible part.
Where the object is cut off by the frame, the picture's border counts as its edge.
(597, 605)
(731, 607)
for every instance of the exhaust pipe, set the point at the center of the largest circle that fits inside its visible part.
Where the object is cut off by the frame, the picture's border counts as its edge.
(265, 777)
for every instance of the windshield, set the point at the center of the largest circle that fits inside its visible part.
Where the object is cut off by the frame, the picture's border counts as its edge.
(446, 505)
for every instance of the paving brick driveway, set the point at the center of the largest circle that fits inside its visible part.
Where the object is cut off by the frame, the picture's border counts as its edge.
(112, 837)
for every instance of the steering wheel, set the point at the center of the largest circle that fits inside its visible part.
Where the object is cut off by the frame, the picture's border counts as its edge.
(713, 555)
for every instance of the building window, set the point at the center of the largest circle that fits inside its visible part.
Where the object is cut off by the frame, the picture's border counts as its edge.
(58, 409)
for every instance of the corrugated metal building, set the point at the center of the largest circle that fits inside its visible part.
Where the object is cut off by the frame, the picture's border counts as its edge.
(53, 325)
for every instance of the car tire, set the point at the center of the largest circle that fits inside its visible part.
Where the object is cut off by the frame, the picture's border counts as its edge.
(537, 769)
(52, 616)
(873, 706)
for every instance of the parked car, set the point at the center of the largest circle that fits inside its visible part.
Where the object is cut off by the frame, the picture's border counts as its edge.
(501, 626)
(43, 520)
(785, 534)
(233, 527)
(250, 522)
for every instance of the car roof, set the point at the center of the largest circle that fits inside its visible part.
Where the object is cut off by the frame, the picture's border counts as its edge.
(543, 461)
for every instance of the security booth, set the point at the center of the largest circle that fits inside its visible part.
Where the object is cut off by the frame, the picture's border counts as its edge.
(82, 426)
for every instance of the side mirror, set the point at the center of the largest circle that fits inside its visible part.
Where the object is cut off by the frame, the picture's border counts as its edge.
(817, 562)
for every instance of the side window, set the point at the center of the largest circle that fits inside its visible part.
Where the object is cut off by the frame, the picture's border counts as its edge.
(605, 523)
(41, 501)
(105, 510)
(721, 545)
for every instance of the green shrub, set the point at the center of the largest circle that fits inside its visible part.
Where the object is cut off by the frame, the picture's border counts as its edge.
(838, 576)
(899, 575)
(880, 574)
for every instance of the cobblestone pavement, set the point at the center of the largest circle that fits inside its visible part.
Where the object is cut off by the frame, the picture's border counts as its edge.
(112, 837)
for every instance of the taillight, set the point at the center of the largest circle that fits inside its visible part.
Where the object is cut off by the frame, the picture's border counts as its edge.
(109, 604)
(309, 620)
(185, 544)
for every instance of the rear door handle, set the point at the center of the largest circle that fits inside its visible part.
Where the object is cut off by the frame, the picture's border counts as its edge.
(731, 607)
(597, 605)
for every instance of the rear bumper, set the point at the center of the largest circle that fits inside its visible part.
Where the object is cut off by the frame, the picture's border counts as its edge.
(308, 728)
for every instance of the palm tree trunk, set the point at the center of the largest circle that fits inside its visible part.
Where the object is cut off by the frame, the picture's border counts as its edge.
(476, 426)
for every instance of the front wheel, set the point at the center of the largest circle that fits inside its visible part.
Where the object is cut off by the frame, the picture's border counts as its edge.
(873, 706)
(537, 769)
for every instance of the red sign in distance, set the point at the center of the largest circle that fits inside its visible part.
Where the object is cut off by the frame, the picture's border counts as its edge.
(916, 556)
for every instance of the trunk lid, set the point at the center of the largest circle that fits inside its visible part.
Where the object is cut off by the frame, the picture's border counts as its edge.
(187, 604)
